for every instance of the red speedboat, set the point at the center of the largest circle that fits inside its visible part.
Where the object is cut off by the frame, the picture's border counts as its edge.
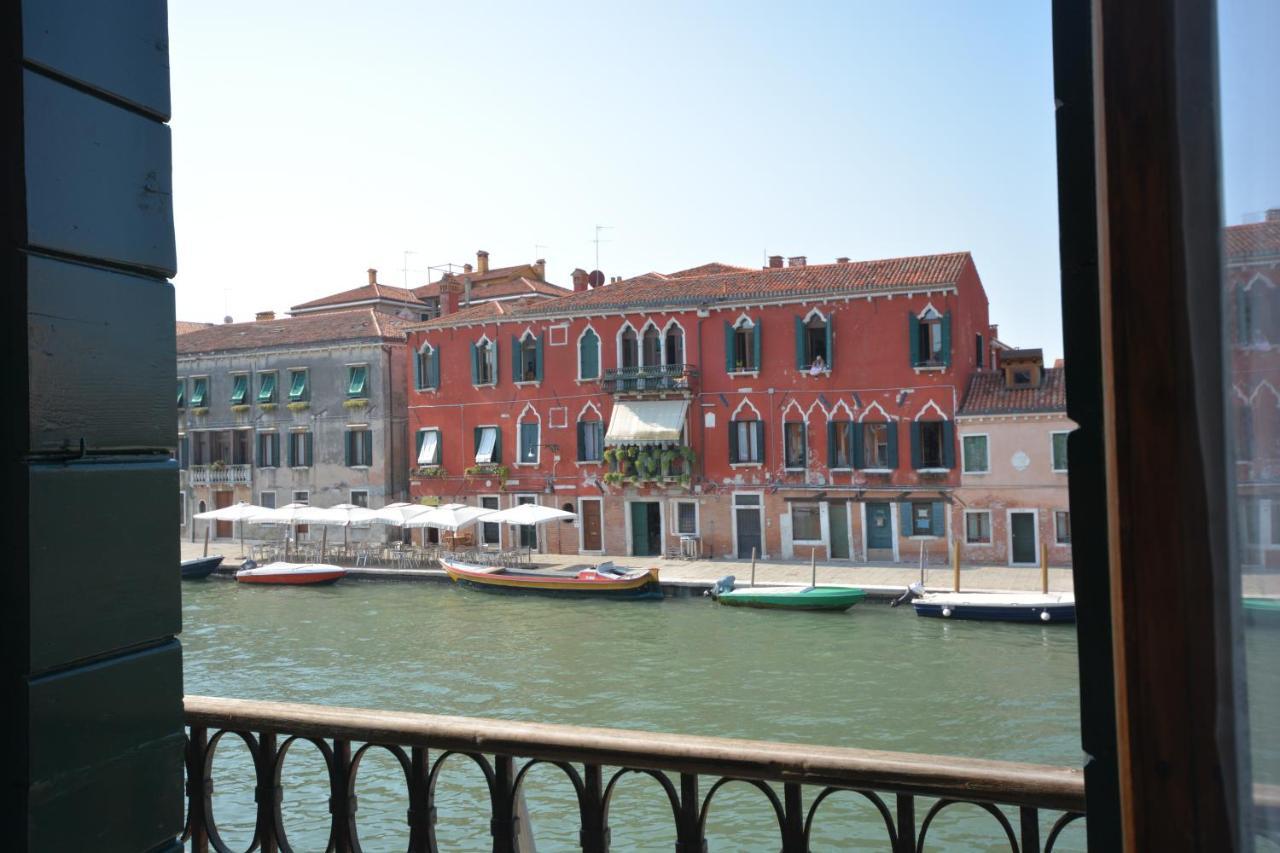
(293, 574)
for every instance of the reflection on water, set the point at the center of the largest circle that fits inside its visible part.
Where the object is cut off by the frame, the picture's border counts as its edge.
(871, 678)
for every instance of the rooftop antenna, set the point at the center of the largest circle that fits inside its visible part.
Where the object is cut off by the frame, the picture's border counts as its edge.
(598, 241)
(537, 250)
(405, 269)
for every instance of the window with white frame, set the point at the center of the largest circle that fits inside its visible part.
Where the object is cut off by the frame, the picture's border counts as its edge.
(1059, 447)
(590, 440)
(488, 448)
(426, 368)
(651, 347)
(794, 444)
(589, 355)
(267, 500)
(1062, 527)
(359, 447)
(428, 447)
(977, 527)
(360, 497)
(630, 348)
(687, 518)
(490, 532)
(746, 337)
(746, 442)
(674, 345)
(806, 521)
(484, 362)
(300, 446)
(976, 459)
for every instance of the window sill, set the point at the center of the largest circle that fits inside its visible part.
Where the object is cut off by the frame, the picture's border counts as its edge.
(1060, 470)
(809, 543)
(426, 390)
(746, 464)
(484, 385)
(533, 464)
(876, 470)
(984, 542)
(933, 470)
(794, 470)
(929, 368)
(532, 383)
(821, 374)
(360, 467)
(975, 473)
(754, 373)
(581, 462)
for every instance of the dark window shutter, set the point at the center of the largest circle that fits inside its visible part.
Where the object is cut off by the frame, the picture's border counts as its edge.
(800, 353)
(417, 450)
(434, 366)
(857, 440)
(893, 445)
(948, 444)
(515, 359)
(981, 354)
(186, 452)
(729, 365)
(589, 355)
(475, 365)
(582, 441)
(831, 351)
(733, 442)
(913, 335)
(755, 343)
(907, 523)
(539, 369)
(349, 443)
(937, 514)
(760, 450)
(497, 361)
(262, 439)
(307, 449)
(418, 378)
(475, 441)
(497, 445)
(366, 438)
(832, 433)
(915, 444)
(946, 339)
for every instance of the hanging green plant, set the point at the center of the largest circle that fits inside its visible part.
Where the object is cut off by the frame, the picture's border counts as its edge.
(665, 458)
(298, 406)
(612, 478)
(267, 407)
(610, 456)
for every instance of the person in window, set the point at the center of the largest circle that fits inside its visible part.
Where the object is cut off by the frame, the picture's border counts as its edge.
(818, 366)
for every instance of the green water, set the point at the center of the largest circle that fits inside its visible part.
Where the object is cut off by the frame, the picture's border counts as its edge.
(873, 677)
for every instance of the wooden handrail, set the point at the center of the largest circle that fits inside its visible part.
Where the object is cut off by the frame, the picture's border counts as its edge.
(947, 777)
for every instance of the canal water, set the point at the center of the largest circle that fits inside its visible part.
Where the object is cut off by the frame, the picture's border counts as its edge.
(873, 677)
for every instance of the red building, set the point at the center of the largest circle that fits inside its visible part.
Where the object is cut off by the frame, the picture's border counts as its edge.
(787, 409)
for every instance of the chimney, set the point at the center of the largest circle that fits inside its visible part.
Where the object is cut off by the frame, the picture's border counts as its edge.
(263, 316)
(482, 261)
(373, 276)
(797, 261)
(775, 261)
(540, 268)
(842, 260)
(449, 290)
(579, 279)
(1273, 215)
(466, 268)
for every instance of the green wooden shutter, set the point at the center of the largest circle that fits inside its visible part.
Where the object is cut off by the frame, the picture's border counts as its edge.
(497, 445)
(893, 445)
(366, 438)
(948, 444)
(417, 452)
(515, 359)
(762, 455)
(831, 351)
(475, 365)
(261, 438)
(913, 335)
(475, 443)
(946, 339)
(831, 444)
(419, 381)
(182, 390)
(350, 444)
(729, 365)
(937, 518)
(915, 445)
(982, 353)
(185, 461)
(800, 354)
(496, 361)
(307, 448)
(582, 441)
(589, 355)
(733, 442)
(539, 367)
(433, 369)
(755, 343)
(907, 524)
(858, 441)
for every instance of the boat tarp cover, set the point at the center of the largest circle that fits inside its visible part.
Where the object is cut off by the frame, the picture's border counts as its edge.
(646, 422)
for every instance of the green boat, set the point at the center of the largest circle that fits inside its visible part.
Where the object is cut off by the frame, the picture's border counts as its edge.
(831, 598)
(1262, 611)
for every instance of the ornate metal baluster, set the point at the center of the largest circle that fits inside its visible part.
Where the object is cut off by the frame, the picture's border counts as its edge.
(342, 803)
(793, 840)
(1029, 818)
(595, 828)
(267, 794)
(689, 828)
(197, 788)
(422, 812)
(503, 826)
(906, 806)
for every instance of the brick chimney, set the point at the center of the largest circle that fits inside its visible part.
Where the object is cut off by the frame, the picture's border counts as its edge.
(579, 279)
(263, 316)
(1273, 215)
(540, 268)
(373, 276)
(797, 261)
(450, 288)
(482, 261)
(467, 268)
(775, 262)
(842, 260)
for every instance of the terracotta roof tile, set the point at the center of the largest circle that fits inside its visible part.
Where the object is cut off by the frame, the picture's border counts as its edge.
(707, 269)
(480, 313)
(357, 324)
(362, 294)
(488, 289)
(1252, 241)
(184, 326)
(987, 394)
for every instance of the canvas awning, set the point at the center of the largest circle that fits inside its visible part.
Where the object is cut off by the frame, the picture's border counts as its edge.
(646, 422)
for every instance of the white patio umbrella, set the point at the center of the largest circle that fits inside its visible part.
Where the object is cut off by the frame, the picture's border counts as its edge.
(341, 515)
(397, 514)
(290, 515)
(526, 514)
(236, 512)
(450, 518)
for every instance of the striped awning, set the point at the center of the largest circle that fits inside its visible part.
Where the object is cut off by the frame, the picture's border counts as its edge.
(646, 422)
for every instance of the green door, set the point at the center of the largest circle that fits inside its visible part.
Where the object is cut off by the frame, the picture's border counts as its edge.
(838, 521)
(879, 525)
(1022, 531)
(640, 529)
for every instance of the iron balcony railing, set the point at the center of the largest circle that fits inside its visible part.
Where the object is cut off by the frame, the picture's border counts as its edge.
(653, 378)
(220, 475)
(690, 771)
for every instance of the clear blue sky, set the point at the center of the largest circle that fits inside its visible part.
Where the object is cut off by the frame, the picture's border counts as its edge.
(315, 140)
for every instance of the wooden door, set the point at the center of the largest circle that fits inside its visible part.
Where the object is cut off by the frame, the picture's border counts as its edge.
(591, 538)
(223, 529)
(879, 525)
(749, 538)
(1022, 535)
(838, 524)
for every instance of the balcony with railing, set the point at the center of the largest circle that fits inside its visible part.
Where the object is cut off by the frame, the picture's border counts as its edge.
(219, 474)
(1028, 806)
(650, 379)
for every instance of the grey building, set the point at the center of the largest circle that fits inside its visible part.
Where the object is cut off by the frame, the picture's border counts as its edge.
(309, 408)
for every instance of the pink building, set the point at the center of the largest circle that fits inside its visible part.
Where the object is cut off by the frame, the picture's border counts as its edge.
(1012, 498)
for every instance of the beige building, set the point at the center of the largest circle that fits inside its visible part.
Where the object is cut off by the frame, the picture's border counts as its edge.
(1012, 498)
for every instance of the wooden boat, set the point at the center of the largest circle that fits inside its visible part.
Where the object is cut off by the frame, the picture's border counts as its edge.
(601, 581)
(201, 567)
(811, 598)
(1260, 611)
(292, 574)
(998, 607)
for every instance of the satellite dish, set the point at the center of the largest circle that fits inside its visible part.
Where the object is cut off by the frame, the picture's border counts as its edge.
(596, 278)
(227, 319)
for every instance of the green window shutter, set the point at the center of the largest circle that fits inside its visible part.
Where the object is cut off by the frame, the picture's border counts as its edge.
(800, 359)
(198, 388)
(307, 449)
(298, 385)
(496, 361)
(946, 339)
(366, 438)
(832, 432)
(893, 445)
(582, 441)
(433, 369)
(266, 387)
(262, 439)
(733, 442)
(948, 444)
(906, 522)
(515, 359)
(417, 451)
(728, 348)
(475, 442)
(240, 389)
(915, 444)
(497, 445)
(539, 362)
(475, 365)
(182, 392)
(982, 354)
(418, 379)
(831, 350)
(755, 343)
(761, 455)
(357, 378)
(856, 453)
(350, 447)
(589, 355)
(937, 518)
(913, 335)
(185, 461)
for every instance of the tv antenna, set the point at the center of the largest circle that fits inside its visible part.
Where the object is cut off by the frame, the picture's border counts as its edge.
(405, 269)
(537, 249)
(598, 241)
